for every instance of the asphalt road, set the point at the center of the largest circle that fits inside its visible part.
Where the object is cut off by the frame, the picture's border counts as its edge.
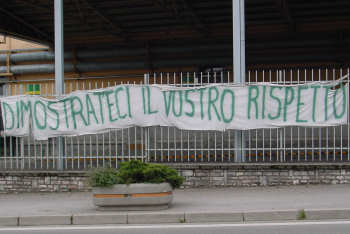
(337, 227)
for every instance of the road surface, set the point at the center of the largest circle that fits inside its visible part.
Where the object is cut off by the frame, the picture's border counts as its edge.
(330, 227)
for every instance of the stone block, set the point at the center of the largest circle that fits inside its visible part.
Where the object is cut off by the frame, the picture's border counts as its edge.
(217, 178)
(45, 220)
(201, 173)
(152, 218)
(91, 219)
(9, 221)
(295, 182)
(47, 180)
(187, 173)
(327, 214)
(217, 173)
(218, 183)
(206, 217)
(270, 216)
(202, 183)
(231, 173)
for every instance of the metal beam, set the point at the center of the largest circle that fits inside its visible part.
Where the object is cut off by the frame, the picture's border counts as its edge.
(34, 5)
(197, 21)
(26, 23)
(169, 7)
(114, 26)
(172, 8)
(80, 12)
(283, 6)
(59, 69)
(239, 66)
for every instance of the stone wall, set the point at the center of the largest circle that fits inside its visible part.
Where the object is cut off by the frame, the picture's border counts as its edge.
(196, 175)
(202, 175)
(33, 181)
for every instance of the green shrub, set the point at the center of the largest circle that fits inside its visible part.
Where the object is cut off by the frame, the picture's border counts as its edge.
(131, 172)
(301, 214)
(103, 177)
(156, 173)
(136, 172)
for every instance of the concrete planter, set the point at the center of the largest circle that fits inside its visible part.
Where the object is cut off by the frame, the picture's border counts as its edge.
(133, 197)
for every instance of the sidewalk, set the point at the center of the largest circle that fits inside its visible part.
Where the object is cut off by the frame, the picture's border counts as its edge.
(192, 205)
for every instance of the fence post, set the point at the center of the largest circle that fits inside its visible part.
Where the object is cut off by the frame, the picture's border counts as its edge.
(239, 66)
(146, 136)
(59, 68)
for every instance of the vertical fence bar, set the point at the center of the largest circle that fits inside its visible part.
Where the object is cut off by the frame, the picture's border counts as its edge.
(291, 128)
(188, 132)
(22, 140)
(155, 128)
(129, 139)
(283, 129)
(312, 128)
(334, 133)
(298, 128)
(161, 129)
(263, 130)
(168, 128)
(122, 142)
(348, 125)
(215, 143)
(202, 141)
(341, 129)
(305, 129)
(320, 129)
(12, 154)
(103, 139)
(181, 132)
(256, 130)
(327, 137)
(71, 138)
(270, 130)
(249, 131)
(84, 138)
(228, 131)
(97, 142)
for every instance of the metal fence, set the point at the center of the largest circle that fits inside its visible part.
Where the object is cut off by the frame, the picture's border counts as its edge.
(168, 144)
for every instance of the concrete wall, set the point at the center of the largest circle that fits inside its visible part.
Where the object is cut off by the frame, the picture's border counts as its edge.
(196, 175)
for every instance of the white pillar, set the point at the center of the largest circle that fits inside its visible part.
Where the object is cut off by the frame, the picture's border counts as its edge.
(59, 69)
(239, 65)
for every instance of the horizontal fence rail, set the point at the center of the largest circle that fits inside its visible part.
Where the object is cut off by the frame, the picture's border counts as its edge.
(169, 144)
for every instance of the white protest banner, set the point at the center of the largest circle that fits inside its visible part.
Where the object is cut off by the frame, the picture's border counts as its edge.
(211, 107)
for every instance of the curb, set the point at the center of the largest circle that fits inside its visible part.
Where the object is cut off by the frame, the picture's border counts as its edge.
(206, 217)
(44, 220)
(157, 217)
